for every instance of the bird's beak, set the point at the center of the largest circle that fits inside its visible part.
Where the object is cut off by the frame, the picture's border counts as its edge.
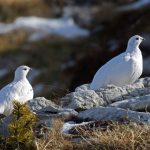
(143, 39)
(30, 69)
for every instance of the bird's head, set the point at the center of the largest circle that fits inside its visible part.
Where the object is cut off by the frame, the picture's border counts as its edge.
(135, 41)
(21, 72)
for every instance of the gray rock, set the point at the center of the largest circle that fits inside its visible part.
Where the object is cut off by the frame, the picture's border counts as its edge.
(69, 125)
(114, 114)
(46, 109)
(141, 103)
(84, 98)
(83, 87)
(4, 125)
(64, 113)
(40, 103)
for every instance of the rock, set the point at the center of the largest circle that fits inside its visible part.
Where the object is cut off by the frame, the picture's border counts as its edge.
(83, 87)
(68, 114)
(4, 125)
(40, 103)
(81, 100)
(63, 113)
(46, 110)
(84, 98)
(69, 125)
(141, 103)
(114, 114)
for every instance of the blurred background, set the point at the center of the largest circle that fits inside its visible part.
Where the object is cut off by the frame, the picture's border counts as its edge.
(66, 41)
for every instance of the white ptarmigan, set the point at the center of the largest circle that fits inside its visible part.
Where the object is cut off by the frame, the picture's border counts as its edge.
(123, 69)
(19, 90)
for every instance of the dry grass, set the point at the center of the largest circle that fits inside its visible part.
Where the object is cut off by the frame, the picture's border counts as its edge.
(53, 138)
(120, 137)
(12, 41)
(123, 137)
(10, 9)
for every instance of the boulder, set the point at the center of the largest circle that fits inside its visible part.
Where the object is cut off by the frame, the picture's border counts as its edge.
(141, 103)
(39, 103)
(46, 109)
(114, 114)
(84, 98)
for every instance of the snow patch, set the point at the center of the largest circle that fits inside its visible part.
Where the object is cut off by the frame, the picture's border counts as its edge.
(43, 27)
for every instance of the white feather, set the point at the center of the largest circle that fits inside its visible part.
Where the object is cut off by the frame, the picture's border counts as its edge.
(123, 69)
(19, 90)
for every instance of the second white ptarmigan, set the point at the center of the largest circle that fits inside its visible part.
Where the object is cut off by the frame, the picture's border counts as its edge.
(123, 69)
(20, 90)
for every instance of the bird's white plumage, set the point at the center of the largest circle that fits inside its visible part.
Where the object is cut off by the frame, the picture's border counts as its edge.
(20, 90)
(123, 69)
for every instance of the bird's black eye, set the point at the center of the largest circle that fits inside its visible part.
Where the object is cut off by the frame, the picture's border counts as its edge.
(137, 38)
(25, 69)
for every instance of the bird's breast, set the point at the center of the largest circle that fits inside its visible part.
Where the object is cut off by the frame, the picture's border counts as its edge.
(137, 66)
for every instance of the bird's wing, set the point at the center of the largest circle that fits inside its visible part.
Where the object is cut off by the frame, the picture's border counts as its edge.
(116, 70)
(16, 91)
(8, 93)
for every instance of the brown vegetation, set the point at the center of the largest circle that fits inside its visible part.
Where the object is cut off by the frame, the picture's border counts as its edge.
(10, 9)
(121, 137)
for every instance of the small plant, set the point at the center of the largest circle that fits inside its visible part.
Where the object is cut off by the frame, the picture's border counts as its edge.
(21, 129)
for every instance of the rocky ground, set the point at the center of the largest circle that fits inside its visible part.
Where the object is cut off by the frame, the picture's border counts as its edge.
(67, 63)
(85, 110)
